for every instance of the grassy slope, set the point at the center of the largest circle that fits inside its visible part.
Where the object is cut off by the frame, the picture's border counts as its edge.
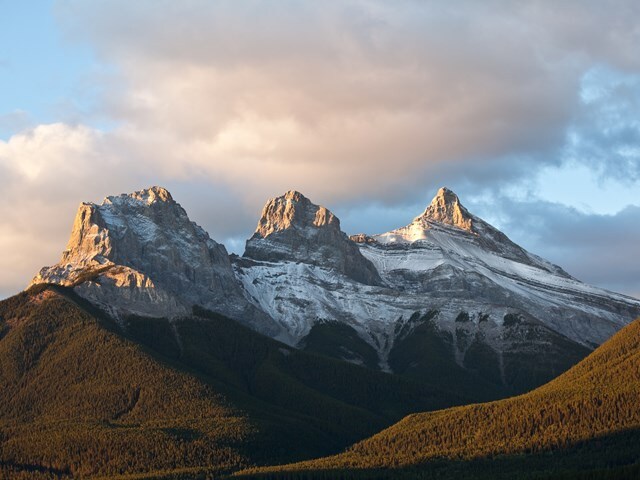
(586, 419)
(79, 397)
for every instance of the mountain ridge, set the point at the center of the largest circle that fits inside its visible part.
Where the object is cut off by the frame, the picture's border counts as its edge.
(480, 291)
(448, 280)
(292, 228)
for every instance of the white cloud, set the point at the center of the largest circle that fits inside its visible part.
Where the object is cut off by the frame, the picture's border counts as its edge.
(45, 173)
(348, 101)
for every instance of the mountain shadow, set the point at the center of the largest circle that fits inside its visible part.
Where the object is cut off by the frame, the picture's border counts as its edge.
(585, 422)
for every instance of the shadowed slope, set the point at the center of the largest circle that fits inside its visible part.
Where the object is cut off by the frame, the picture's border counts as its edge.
(588, 417)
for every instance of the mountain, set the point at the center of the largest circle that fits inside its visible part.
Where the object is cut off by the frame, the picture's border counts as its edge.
(292, 228)
(140, 254)
(457, 302)
(84, 395)
(145, 351)
(584, 424)
(446, 300)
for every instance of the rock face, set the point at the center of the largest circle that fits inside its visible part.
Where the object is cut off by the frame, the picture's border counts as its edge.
(447, 217)
(140, 254)
(450, 283)
(293, 229)
(446, 208)
(447, 298)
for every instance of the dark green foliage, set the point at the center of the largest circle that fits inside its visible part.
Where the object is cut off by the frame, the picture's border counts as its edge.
(76, 398)
(184, 399)
(337, 340)
(511, 319)
(483, 360)
(583, 425)
(339, 395)
(525, 368)
(611, 457)
(427, 355)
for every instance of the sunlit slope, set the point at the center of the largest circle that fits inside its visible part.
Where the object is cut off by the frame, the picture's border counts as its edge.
(76, 399)
(81, 396)
(588, 418)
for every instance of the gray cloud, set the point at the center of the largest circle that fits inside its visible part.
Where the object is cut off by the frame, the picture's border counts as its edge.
(599, 249)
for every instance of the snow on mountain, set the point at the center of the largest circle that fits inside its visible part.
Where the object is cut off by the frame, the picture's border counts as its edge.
(447, 262)
(140, 254)
(292, 228)
(448, 243)
(446, 285)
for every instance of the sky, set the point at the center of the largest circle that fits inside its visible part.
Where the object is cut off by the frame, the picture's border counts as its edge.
(529, 111)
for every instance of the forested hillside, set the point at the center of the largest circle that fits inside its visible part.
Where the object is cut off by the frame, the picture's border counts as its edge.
(83, 395)
(584, 424)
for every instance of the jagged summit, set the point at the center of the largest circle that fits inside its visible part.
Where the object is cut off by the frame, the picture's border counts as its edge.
(294, 210)
(446, 208)
(146, 196)
(139, 253)
(292, 228)
(447, 225)
(446, 220)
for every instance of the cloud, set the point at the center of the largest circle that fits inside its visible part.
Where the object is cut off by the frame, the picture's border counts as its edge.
(352, 102)
(350, 99)
(598, 249)
(44, 174)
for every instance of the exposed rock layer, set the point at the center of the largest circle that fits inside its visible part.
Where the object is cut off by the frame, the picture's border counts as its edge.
(292, 228)
(481, 291)
(140, 254)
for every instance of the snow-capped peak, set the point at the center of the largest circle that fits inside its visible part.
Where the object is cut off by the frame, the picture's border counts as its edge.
(139, 253)
(292, 228)
(447, 224)
(146, 196)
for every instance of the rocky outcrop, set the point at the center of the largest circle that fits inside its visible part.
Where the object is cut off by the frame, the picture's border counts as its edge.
(447, 264)
(140, 254)
(446, 218)
(294, 229)
(446, 208)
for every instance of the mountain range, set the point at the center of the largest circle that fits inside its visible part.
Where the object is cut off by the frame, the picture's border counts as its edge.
(150, 352)
(448, 289)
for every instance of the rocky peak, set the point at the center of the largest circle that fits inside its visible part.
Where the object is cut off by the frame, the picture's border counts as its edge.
(292, 228)
(446, 208)
(140, 253)
(147, 196)
(122, 225)
(294, 210)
